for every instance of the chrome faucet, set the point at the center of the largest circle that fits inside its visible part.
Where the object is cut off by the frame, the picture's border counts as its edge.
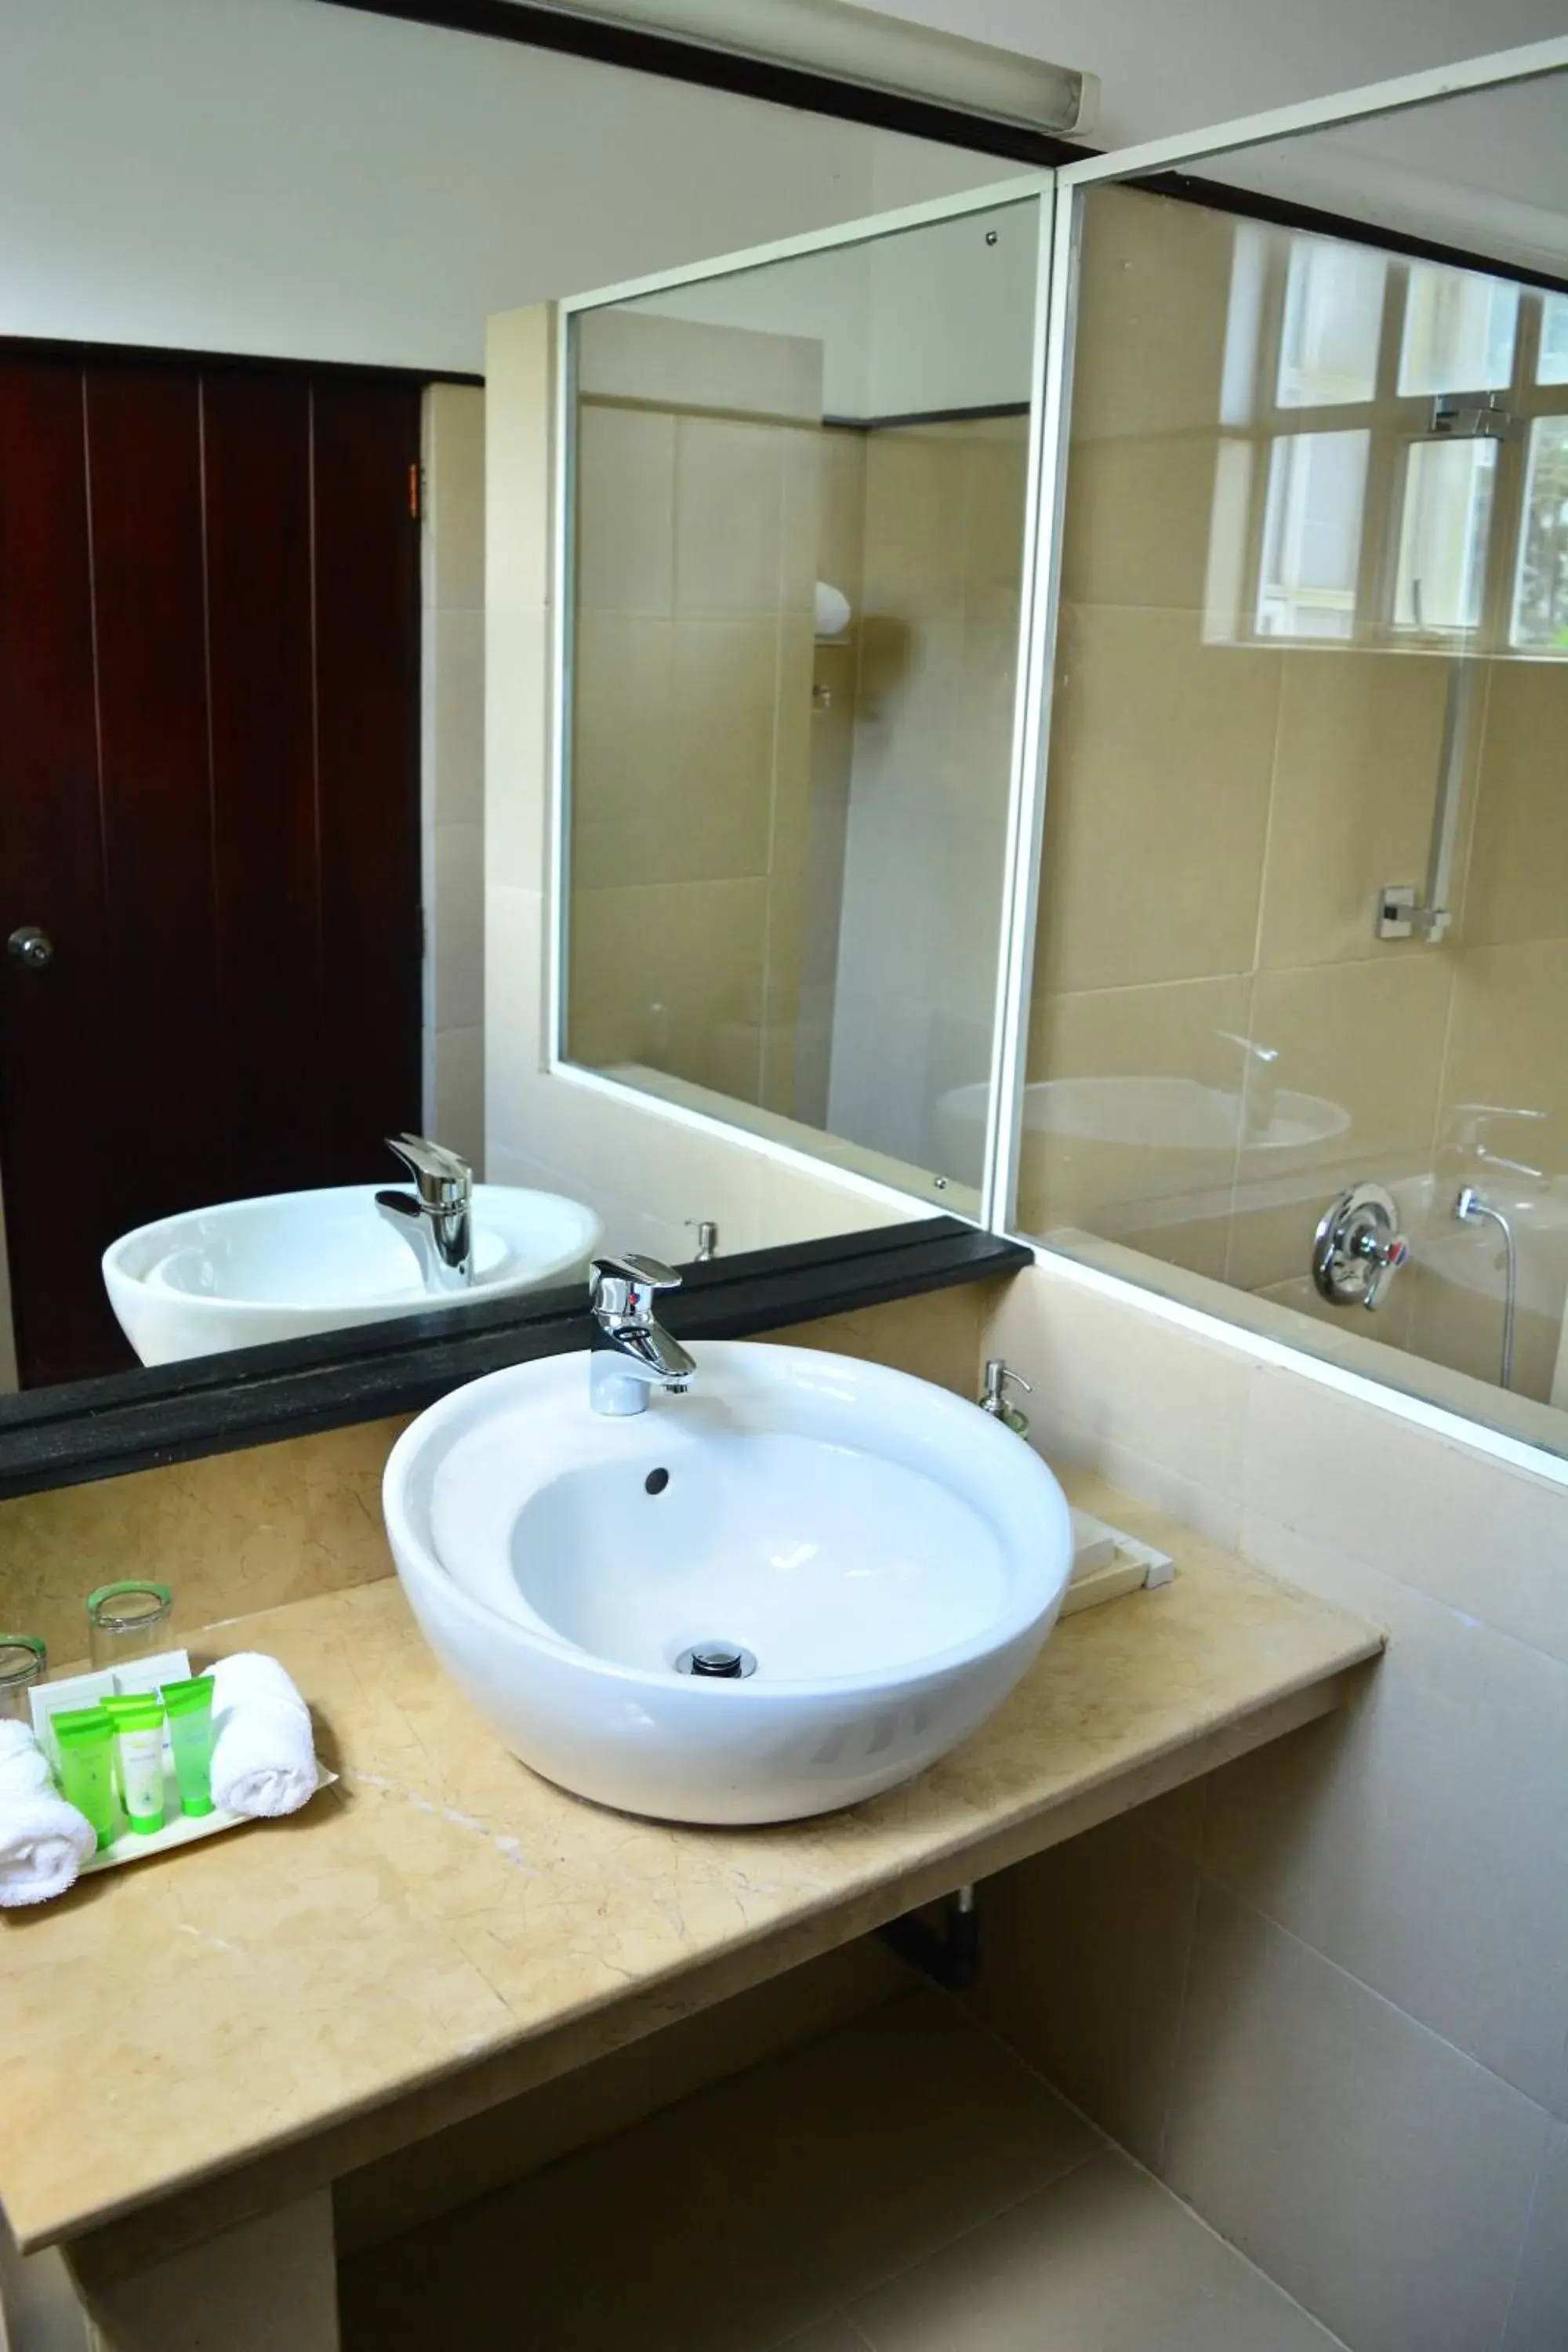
(1260, 1082)
(1358, 1246)
(632, 1353)
(437, 1218)
(1473, 1208)
(1476, 1121)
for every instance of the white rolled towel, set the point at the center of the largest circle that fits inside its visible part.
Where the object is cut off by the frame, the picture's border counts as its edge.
(23, 1763)
(43, 1841)
(264, 1757)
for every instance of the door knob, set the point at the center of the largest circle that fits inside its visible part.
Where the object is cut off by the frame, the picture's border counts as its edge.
(30, 946)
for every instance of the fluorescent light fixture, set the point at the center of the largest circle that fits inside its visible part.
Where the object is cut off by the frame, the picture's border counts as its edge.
(885, 53)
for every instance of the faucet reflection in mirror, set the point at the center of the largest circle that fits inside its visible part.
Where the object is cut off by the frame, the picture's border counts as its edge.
(437, 1218)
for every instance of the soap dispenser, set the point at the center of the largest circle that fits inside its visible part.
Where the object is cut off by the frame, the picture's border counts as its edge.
(999, 1377)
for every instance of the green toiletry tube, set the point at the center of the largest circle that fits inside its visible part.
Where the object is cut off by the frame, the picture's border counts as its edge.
(190, 1711)
(85, 1739)
(138, 1720)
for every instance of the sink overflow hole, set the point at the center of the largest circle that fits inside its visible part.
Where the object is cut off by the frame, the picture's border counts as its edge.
(723, 1662)
(656, 1482)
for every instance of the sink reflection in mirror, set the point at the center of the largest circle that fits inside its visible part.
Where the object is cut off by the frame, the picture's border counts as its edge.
(279, 1267)
(786, 1590)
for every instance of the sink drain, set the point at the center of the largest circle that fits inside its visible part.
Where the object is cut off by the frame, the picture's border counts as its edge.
(721, 1661)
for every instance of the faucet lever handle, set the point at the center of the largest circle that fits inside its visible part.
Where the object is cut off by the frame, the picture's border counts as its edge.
(1385, 1256)
(627, 1285)
(442, 1179)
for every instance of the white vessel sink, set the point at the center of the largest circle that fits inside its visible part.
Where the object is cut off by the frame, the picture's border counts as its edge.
(888, 1557)
(1169, 1115)
(288, 1263)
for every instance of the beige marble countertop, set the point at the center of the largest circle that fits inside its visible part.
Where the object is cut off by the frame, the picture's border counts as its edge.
(442, 1927)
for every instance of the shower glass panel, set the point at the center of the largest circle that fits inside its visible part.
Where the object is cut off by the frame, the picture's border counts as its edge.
(800, 494)
(1303, 894)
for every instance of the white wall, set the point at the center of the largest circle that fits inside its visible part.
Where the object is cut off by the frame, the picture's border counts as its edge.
(281, 177)
(277, 176)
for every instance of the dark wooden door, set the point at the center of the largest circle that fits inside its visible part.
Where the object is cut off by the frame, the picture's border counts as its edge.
(209, 803)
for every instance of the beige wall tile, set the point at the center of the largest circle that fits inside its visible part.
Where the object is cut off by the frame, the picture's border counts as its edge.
(673, 767)
(1155, 290)
(1101, 2259)
(231, 1534)
(624, 556)
(514, 1031)
(987, 691)
(456, 931)
(1460, 1323)
(1387, 1328)
(997, 461)
(1157, 802)
(937, 1337)
(841, 510)
(729, 516)
(1152, 1407)
(1482, 1536)
(793, 753)
(1538, 2321)
(1139, 519)
(520, 391)
(1354, 784)
(1418, 1843)
(455, 688)
(726, 719)
(800, 521)
(1086, 1959)
(1510, 1043)
(517, 746)
(454, 491)
(459, 1094)
(1518, 860)
(916, 520)
(1185, 1159)
(623, 718)
(1379, 2175)
(671, 974)
(1366, 1039)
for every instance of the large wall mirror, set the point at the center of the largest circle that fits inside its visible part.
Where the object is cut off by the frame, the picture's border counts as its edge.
(797, 523)
(1309, 741)
(1289, 1040)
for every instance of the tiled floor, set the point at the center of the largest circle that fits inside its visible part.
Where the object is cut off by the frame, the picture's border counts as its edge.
(901, 2184)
